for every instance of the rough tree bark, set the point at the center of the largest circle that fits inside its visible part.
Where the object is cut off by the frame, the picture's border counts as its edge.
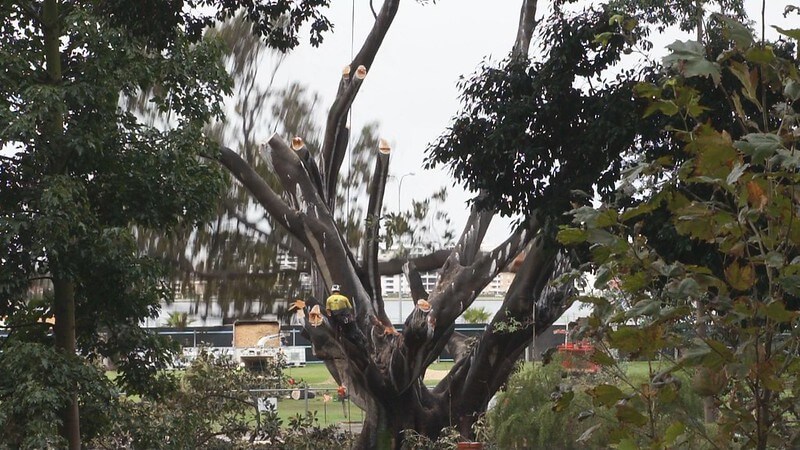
(385, 379)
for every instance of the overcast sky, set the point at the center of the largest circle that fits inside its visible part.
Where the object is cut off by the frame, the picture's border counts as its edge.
(411, 89)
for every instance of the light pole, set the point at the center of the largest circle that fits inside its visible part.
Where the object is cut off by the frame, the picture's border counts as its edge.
(400, 284)
(400, 186)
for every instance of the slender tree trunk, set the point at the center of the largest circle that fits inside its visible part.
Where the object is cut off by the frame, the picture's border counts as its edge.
(64, 331)
(709, 408)
(52, 144)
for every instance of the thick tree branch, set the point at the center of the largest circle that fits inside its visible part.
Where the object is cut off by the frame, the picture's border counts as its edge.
(458, 346)
(335, 142)
(459, 286)
(263, 193)
(373, 42)
(474, 379)
(334, 164)
(425, 263)
(309, 164)
(428, 331)
(319, 232)
(469, 244)
(372, 232)
(527, 23)
(415, 282)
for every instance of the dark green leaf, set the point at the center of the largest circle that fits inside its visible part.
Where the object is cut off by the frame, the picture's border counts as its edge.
(605, 394)
(628, 414)
(793, 33)
(736, 31)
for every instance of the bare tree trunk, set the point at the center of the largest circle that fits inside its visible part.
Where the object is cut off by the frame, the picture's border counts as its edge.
(64, 333)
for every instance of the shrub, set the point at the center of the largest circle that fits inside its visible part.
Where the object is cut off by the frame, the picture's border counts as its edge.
(541, 408)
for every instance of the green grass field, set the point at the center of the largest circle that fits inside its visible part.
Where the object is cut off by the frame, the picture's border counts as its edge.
(332, 412)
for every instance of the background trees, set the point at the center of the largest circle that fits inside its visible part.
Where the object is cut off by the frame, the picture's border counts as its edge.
(78, 172)
(723, 290)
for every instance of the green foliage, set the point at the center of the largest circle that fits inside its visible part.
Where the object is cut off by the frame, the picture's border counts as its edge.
(543, 136)
(448, 438)
(213, 408)
(277, 22)
(305, 433)
(178, 320)
(476, 315)
(540, 408)
(33, 388)
(729, 300)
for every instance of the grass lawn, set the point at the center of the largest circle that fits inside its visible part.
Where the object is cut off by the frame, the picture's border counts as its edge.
(316, 375)
(330, 412)
(321, 382)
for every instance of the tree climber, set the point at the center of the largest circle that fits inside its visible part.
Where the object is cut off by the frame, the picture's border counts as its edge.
(339, 308)
(340, 313)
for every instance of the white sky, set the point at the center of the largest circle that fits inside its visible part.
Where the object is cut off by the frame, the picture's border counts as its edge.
(411, 89)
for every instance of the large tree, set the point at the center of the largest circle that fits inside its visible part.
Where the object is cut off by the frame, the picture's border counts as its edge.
(554, 129)
(385, 377)
(78, 172)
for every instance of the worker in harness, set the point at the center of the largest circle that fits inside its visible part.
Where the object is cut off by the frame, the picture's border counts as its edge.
(339, 308)
(340, 313)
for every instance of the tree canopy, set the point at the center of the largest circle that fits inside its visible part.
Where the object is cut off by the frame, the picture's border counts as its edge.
(79, 172)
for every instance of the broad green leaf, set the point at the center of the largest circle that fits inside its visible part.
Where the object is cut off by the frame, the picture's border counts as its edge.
(686, 288)
(627, 444)
(584, 214)
(634, 282)
(668, 394)
(745, 76)
(563, 401)
(673, 431)
(759, 146)
(569, 236)
(777, 312)
(714, 153)
(642, 208)
(629, 414)
(760, 55)
(626, 338)
(688, 58)
(792, 90)
(793, 33)
(736, 31)
(740, 277)
(602, 358)
(790, 284)
(606, 218)
(648, 307)
(720, 349)
(666, 107)
(774, 259)
(605, 394)
(647, 90)
(598, 236)
(695, 355)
